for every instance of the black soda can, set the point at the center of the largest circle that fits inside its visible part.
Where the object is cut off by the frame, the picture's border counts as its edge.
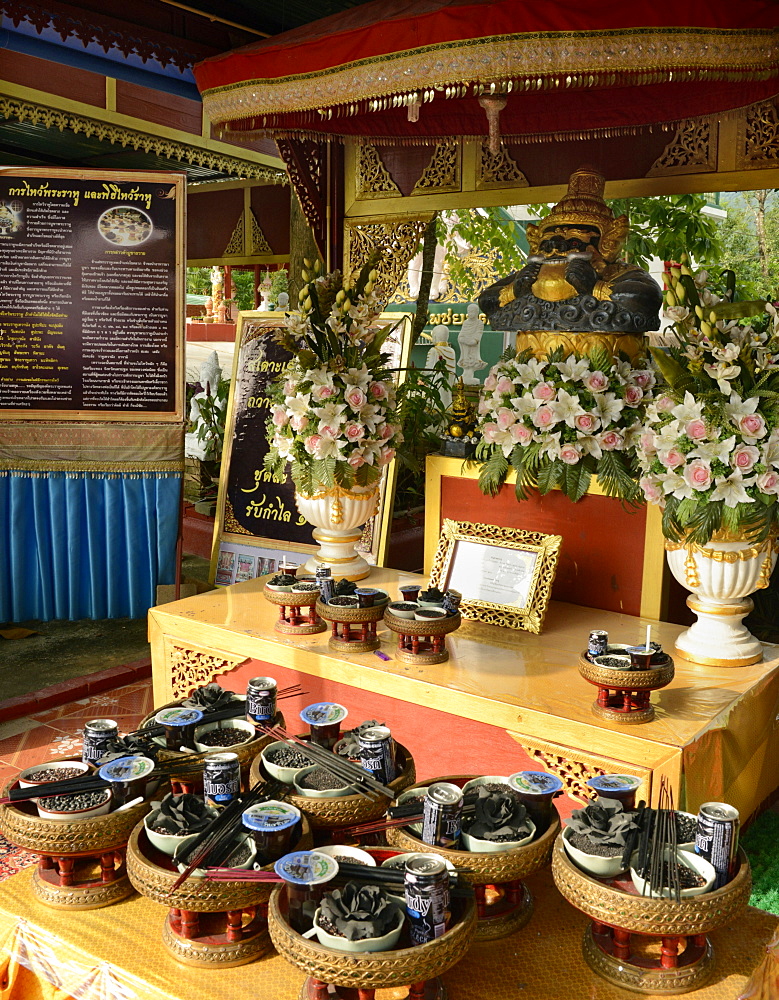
(598, 642)
(717, 839)
(377, 753)
(261, 700)
(221, 778)
(324, 578)
(426, 884)
(442, 814)
(99, 738)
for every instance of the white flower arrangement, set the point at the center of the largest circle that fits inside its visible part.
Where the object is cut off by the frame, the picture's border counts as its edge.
(709, 449)
(562, 420)
(333, 414)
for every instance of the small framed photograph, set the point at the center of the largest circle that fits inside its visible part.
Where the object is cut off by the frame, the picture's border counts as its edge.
(505, 575)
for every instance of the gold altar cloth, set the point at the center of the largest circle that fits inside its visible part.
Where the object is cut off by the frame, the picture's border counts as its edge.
(116, 953)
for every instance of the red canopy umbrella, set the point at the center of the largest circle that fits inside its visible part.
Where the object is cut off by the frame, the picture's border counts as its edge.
(423, 70)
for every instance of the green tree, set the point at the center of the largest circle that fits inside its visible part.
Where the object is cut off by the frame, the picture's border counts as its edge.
(750, 241)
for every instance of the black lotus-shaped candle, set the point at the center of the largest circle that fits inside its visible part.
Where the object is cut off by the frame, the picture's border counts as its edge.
(497, 816)
(283, 580)
(209, 698)
(180, 814)
(358, 912)
(604, 822)
(344, 588)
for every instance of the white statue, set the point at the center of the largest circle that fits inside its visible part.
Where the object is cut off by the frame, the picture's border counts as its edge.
(282, 302)
(469, 340)
(442, 349)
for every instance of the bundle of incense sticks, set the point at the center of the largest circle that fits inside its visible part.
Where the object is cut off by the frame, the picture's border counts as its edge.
(353, 774)
(656, 858)
(234, 710)
(214, 843)
(379, 825)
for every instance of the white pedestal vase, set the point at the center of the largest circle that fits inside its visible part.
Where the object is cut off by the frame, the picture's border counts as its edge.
(338, 516)
(721, 575)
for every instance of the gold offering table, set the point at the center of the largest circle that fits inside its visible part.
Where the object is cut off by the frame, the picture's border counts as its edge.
(117, 951)
(714, 733)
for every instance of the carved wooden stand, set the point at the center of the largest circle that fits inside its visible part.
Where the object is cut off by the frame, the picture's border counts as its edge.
(660, 946)
(422, 642)
(353, 629)
(81, 863)
(504, 904)
(623, 695)
(297, 612)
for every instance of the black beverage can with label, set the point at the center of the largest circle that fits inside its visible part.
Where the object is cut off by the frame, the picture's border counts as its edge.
(426, 884)
(598, 642)
(221, 778)
(99, 737)
(442, 815)
(377, 753)
(717, 839)
(261, 701)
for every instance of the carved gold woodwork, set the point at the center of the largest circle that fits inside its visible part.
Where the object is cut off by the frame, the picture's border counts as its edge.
(541, 342)
(482, 268)
(443, 171)
(52, 118)
(396, 238)
(692, 149)
(230, 523)
(758, 137)
(190, 668)
(234, 247)
(259, 245)
(498, 171)
(573, 767)
(373, 178)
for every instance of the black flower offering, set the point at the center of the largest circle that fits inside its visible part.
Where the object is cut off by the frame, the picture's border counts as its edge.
(349, 744)
(180, 814)
(128, 746)
(209, 698)
(432, 595)
(602, 827)
(497, 816)
(283, 580)
(344, 588)
(357, 912)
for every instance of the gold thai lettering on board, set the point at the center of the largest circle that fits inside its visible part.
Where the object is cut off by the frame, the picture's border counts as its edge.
(260, 365)
(263, 476)
(267, 510)
(257, 402)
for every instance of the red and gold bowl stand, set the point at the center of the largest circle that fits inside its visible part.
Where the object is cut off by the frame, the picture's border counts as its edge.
(297, 612)
(504, 903)
(623, 695)
(645, 944)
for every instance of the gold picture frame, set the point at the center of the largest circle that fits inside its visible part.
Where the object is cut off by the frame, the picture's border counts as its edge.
(489, 565)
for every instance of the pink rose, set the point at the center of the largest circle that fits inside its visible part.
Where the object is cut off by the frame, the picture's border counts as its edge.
(298, 423)
(312, 443)
(489, 431)
(570, 454)
(320, 392)
(377, 390)
(354, 432)
(651, 492)
(611, 440)
(356, 460)
(585, 422)
(386, 455)
(647, 443)
(355, 397)
(544, 417)
(633, 395)
(752, 425)
(672, 458)
(490, 382)
(290, 388)
(596, 381)
(665, 404)
(698, 474)
(768, 482)
(644, 378)
(544, 391)
(280, 417)
(521, 434)
(504, 385)
(696, 430)
(745, 457)
(387, 431)
(483, 407)
(506, 418)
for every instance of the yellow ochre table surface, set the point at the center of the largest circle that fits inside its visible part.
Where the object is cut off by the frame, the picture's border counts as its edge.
(116, 953)
(714, 734)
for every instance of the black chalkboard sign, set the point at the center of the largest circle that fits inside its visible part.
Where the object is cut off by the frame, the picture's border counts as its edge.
(251, 503)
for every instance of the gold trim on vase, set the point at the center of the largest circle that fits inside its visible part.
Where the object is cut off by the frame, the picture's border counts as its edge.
(706, 661)
(742, 607)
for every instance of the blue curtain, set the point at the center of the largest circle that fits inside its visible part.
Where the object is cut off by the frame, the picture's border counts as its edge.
(85, 545)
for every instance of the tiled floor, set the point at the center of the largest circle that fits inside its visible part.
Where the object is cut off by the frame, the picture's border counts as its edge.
(56, 733)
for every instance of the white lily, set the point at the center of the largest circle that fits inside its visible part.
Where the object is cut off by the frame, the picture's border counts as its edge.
(690, 409)
(711, 451)
(731, 490)
(524, 405)
(573, 370)
(736, 407)
(297, 406)
(530, 371)
(567, 407)
(609, 407)
(590, 445)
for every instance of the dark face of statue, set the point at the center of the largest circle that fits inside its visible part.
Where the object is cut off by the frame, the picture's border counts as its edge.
(562, 240)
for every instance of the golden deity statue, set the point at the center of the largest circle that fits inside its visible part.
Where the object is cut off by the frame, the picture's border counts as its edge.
(574, 291)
